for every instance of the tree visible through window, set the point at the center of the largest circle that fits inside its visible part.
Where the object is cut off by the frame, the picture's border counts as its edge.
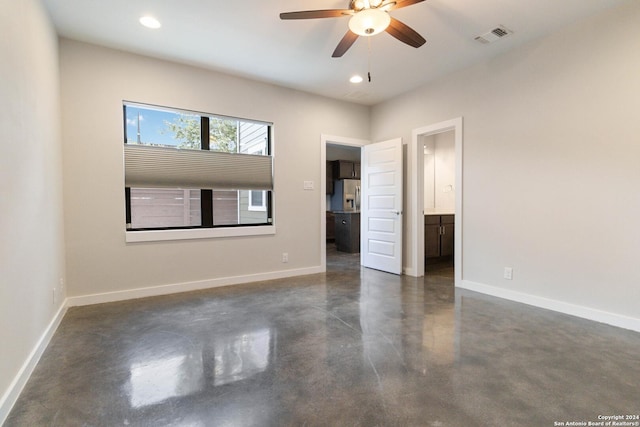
(149, 208)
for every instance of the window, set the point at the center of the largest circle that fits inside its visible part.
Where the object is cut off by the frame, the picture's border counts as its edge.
(257, 199)
(187, 170)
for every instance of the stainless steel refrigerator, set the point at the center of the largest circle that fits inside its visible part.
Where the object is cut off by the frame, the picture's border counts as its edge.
(346, 195)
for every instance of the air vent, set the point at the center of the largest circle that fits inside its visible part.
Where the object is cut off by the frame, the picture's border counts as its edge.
(493, 35)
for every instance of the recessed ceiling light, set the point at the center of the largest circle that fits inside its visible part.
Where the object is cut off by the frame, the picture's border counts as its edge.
(356, 79)
(150, 22)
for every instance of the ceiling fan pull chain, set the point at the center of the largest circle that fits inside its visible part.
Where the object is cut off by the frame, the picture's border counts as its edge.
(369, 59)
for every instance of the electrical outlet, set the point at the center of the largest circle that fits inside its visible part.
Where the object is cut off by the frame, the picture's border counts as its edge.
(508, 273)
(285, 257)
(308, 185)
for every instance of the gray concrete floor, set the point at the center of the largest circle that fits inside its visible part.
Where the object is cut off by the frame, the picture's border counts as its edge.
(352, 347)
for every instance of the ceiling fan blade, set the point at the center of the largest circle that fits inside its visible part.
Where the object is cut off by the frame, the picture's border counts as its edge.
(402, 3)
(404, 33)
(344, 44)
(313, 14)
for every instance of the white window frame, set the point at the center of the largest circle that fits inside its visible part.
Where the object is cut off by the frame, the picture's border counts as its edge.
(154, 235)
(263, 206)
(197, 233)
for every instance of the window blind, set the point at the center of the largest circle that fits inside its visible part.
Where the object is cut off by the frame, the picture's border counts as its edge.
(148, 166)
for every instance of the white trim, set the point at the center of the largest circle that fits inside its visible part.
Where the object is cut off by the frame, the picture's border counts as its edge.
(186, 287)
(258, 149)
(324, 140)
(197, 233)
(416, 199)
(17, 385)
(257, 208)
(588, 313)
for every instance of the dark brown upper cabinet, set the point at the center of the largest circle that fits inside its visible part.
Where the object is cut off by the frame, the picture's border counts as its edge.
(345, 169)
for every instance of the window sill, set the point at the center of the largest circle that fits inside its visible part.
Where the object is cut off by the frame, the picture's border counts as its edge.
(199, 233)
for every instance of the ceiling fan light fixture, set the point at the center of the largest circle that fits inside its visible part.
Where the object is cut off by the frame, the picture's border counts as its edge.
(356, 79)
(369, 22)
(358, 5)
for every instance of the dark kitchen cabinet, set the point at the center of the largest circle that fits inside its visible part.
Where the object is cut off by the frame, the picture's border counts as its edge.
(447, 240)
(439, 234)
(356, 170)
(329, 178)
(348, 232)
(331, 226)
(432, 236)
(345, 169)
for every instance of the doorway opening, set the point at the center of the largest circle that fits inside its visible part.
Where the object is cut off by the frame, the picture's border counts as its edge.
(436, 197)
(347, 152)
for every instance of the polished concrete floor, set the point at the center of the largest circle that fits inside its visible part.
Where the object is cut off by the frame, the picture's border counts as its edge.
(352, 347)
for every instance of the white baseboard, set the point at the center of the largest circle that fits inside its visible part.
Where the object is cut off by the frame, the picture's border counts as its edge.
(15, 388)
(596, 315)
(13, 392)
(186, 287)
(409, 271)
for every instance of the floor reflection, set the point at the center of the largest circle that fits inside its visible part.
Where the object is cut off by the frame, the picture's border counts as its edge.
(157, 380)
(353, 347)
(438, 336)
(381, 323)
(241, 356)
(167, 366)
(163, 367)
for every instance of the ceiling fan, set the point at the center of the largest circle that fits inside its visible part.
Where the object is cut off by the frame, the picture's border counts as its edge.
(368, 17)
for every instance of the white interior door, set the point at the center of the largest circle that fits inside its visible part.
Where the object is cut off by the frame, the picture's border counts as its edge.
(381, 213)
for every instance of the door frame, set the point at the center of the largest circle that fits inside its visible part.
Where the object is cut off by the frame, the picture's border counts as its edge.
(416, 198)
(336, 140)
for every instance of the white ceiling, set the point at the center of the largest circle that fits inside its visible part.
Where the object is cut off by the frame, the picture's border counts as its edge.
(247, 38)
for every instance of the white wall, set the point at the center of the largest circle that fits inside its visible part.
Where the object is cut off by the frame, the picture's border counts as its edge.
(31, 232)
(440, 173)
(342, 152)
(95, 81)
(551, 149)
